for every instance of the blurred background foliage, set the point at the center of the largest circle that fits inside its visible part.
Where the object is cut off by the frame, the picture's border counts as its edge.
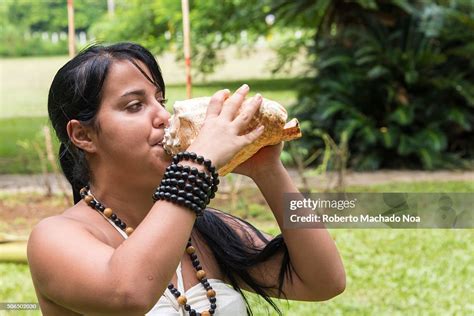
(393, 78)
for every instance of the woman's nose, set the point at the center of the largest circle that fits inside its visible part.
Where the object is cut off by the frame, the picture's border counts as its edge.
(161, 117)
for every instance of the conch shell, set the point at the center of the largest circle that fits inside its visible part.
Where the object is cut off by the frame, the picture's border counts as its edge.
(189, 116)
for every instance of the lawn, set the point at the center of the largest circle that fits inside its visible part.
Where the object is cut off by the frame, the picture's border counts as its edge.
(389, 272)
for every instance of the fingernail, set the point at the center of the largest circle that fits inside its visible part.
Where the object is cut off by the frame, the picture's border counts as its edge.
(258, 97)
(227, 91)
(244, 88)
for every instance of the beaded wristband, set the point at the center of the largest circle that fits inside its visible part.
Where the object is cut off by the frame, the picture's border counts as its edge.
(200, 160)
(178, 180)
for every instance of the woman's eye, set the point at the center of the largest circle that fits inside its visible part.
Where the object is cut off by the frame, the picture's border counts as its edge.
(162, 101)
(134, 107)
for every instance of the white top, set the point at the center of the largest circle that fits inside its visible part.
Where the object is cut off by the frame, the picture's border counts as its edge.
(228, 300)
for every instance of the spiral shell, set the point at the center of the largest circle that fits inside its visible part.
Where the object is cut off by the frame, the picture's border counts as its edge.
(189, 116)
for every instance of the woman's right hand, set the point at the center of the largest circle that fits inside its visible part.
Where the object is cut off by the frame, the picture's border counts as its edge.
(220, 136)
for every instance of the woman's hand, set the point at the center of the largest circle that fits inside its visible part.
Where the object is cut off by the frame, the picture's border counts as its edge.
(219, 138)
(263, 161)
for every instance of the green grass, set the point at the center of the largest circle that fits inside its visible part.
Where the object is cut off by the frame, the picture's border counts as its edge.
(389, 272)
(17, 131)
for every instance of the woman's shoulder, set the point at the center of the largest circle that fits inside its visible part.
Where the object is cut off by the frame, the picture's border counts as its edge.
(72, 226)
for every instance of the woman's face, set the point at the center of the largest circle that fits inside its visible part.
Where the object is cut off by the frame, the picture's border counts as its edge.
(131, 119)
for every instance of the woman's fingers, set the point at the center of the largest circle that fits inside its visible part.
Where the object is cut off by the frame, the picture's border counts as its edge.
(233, 103)
(216, 103)
(253, 135)
(247, 112)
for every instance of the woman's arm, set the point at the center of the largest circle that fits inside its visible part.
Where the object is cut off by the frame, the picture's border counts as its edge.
(313, 253)
(318, 270)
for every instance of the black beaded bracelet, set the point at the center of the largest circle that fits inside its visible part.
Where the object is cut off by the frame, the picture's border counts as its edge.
(200, 160)
(186, 185)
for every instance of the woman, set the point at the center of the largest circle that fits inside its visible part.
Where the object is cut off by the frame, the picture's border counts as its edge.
(117, 251)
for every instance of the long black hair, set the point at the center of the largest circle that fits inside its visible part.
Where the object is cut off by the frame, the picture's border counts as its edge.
(76, 93)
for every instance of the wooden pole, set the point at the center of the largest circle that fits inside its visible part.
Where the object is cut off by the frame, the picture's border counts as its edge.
(71, 32)
(187, 45)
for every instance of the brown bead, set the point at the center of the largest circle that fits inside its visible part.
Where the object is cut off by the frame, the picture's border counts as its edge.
(108, 212)
(205, 313)
(182, 300)
(129, 231)
(190, 250)
(211, 293)
(83, 191)
(88, 199)
(200, 274)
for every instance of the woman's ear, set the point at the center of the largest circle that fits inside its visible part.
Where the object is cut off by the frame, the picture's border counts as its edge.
(80, 136)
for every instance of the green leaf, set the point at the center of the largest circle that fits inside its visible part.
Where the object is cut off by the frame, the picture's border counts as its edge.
(403, 115)
(332, 108)
(377, 72)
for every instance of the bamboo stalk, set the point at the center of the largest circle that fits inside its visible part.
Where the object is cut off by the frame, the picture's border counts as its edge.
(187, 45)
(71, 30)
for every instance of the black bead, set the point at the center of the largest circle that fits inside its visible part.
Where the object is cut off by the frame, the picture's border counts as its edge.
(185, 155)
(189, 196)
(173, 197)
(199, 182)
(113, 216)
(192, 178)
(187, 307)
(195, 263)
(174, 190)
(187, 204)
(175, 159)
(213, 306)
(177, 175)
(174, 182)
(213, 195)
(192, 155)
(205, 187)
(188, 187)
(184, 175)
(216, 181)
(180, 200)
(207, 163)
(167, 196)
(206, 284)
(211, 311)
(123, 225)
(181, 183)
(193, 256)
(194, 171)
(192, 312)
(179, 167)
(212, 169)
(212, 299)
(200, 159)
(198, 267)
(170, 286)
(186, 168)
(196, 191)
(180, 155)
(117, 222)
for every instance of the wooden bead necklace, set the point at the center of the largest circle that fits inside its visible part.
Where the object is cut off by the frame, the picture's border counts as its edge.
(90, 200)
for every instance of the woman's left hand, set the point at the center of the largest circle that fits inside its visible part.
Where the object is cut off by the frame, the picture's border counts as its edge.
(264, 160)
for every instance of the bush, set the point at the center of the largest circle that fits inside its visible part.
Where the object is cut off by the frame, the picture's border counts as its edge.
(399, 84)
